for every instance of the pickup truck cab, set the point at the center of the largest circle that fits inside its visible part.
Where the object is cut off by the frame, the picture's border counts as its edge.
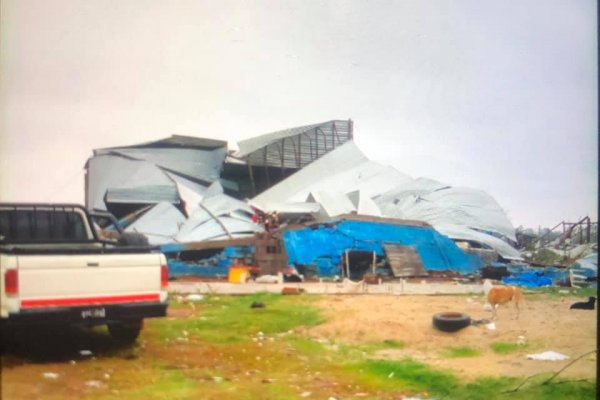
(54, 269)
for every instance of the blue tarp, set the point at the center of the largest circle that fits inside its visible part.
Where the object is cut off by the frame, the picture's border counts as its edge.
(217, 265)
(182, 268)
(528, 279)
(323, 245)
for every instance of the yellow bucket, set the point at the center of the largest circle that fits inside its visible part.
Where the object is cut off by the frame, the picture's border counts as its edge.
(238, 274)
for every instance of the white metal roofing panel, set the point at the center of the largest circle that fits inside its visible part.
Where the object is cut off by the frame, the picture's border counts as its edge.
(247, 146)
(448, 205)
(290, 208)
(212, 229)
(125, 179)
(223, 204)
(299, 184)
(365, 205)
(215, 205)
(459, 232)
(202, 164)
(175, 141)
(369, 177)
(345, 169)
(332, 203)
(160, 224)
(190, 192)
(143, 194)
(144, 183)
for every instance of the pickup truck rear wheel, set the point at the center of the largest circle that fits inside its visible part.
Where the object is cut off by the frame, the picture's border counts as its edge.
(127, 331)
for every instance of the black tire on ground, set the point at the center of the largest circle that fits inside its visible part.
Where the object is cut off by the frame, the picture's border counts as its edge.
(132, 239)
(451, 321)
(126, 331)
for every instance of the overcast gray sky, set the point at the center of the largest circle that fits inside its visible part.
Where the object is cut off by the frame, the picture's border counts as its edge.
(496, 95)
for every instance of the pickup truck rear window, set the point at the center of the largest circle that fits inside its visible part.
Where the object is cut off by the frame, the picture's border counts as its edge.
(41, 226)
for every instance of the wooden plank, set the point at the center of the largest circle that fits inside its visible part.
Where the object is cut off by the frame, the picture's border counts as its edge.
(404, 260)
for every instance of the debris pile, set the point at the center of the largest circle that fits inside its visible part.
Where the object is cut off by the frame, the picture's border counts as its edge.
(307, 197)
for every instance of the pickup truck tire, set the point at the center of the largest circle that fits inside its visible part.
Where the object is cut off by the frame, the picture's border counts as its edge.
(126, 331)
(133, 239)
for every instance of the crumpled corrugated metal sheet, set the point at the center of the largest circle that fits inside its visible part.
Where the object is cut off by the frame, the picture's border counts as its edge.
(332, 203)
(465, 213)
(364, 204)
(459, 232)
(160, 224)
(344, 170)
(200, 164)
(126, 180)
(190, 192)
(218, 216)
(439, 204)
(153, 172)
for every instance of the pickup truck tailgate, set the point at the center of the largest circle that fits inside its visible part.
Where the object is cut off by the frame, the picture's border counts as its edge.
(80, 280)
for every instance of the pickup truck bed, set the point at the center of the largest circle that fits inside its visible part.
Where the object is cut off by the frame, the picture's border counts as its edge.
(80, 280)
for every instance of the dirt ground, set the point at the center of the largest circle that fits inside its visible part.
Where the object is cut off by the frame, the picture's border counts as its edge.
(546, 322)
(547, 325)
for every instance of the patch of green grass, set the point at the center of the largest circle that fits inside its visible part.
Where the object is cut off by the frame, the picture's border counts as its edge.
(405, 375)
(409, 376)
(460, 352)
(393, 344)
(504, 348)
(230, 319)
(560, 292)
(502, 388)
(370, 348)
(305, 345)
(163, 384)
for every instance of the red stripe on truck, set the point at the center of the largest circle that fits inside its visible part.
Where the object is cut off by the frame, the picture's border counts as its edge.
(86, 301)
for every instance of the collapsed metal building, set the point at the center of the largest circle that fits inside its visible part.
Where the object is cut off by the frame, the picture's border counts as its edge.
(183, 190)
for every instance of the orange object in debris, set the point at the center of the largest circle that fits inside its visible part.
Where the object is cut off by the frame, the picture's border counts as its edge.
(238, 274)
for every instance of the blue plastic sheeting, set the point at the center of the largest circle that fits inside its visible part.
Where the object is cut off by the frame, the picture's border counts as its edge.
(526, 276)
(182, 268)
(324, 245)
(528, 279)
(558, 275)
(217, 265)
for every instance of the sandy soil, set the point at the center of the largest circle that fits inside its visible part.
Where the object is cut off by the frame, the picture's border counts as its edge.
(547, 324)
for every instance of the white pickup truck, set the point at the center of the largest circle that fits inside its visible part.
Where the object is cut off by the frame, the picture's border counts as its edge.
(54, 269)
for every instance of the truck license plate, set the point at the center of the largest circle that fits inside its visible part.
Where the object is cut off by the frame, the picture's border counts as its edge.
(93, 313)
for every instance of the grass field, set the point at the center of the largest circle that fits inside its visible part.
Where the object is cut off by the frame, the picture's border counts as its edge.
(221, 348)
